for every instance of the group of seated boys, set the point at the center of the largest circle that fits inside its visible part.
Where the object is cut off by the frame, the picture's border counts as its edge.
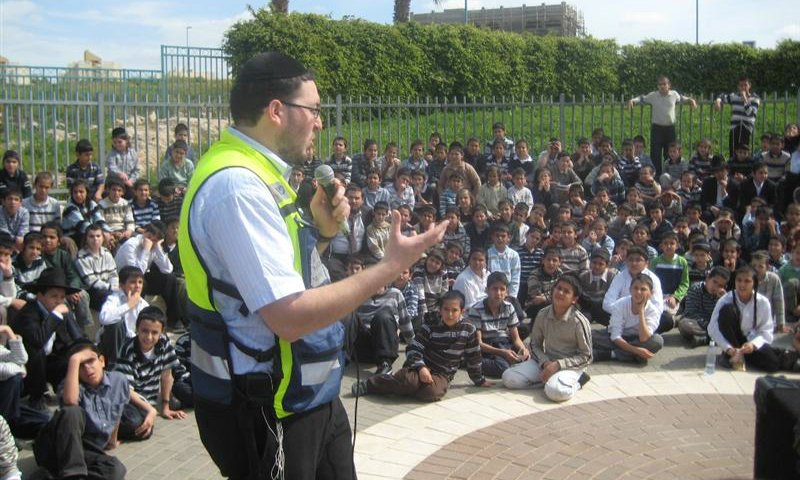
(75, 328)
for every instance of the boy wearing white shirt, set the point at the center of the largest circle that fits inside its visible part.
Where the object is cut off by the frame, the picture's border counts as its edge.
(631, 334)
(145, 251)
(636, 262)
(472, 281)
(742, 325)
(119, 312)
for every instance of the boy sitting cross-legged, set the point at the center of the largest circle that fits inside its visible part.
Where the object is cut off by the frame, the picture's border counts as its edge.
(147, 361)
(561, 346)
(433, 357)
(497, 322)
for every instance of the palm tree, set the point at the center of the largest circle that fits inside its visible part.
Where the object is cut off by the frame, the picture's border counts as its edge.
(279, 6)
(402, 10)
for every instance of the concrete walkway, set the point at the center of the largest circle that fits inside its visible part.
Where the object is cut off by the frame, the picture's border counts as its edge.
(663, 420)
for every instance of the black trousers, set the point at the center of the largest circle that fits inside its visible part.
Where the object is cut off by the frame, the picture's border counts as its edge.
(166, 285)
(24, 421)
(42, 369)
(111, 341)
(316, 444)
(739, 134)
(62, 450)
(132, 418)
(378, 343)
(765, 358)
(660, 137)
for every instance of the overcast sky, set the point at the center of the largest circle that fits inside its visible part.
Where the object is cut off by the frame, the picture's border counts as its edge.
(56, 32)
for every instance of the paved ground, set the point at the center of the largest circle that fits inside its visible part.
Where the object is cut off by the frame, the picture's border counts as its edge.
(660, 437)
(669, 399)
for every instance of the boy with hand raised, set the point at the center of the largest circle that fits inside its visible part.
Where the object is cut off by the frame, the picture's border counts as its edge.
(73, 444)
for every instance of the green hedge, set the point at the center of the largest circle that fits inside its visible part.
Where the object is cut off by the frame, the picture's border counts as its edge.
(359, 58)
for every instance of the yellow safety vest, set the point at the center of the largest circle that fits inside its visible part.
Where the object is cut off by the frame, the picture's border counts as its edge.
(305, 373)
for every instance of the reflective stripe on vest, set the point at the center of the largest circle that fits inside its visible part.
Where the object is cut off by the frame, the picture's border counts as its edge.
(210, 356)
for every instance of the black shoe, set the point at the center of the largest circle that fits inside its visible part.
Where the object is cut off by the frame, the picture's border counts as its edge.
(359, 388)
(584, 379)
(699, 341)
(383, 368)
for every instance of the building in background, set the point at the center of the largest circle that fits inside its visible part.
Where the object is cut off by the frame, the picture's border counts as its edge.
(559, 19)
(91, 63)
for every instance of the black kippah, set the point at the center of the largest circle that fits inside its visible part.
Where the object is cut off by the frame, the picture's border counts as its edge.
(271, 66)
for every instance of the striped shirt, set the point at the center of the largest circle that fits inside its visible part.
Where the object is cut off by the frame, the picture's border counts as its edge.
(27, 274)
(447, 199)
(41, 213)
(441, 348)
(529, 261)
(17, 225)
(145, 215)
(742, 113)
(629, 169)
(390, 300)
(78, 217)
(700, 166)
(777, 165)
(541, 283)
(144, 374)
(574, 259)
(343, 167)
(118, 216)
(411, 295)
(97, 271)
(168, 210)
(699, 304)
(405, 198)
(92, 174)
(183, 349)
(493, 327)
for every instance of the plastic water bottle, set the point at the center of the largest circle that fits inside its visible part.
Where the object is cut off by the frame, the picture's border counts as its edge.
(711, 359)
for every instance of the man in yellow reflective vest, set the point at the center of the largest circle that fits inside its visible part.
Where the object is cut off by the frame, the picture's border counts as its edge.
(267, 353)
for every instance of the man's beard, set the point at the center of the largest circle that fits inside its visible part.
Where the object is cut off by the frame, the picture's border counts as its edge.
(293, 155)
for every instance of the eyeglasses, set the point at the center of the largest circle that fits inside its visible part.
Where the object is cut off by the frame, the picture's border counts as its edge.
(315, 111)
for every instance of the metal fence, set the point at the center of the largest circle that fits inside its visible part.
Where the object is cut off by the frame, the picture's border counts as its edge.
(194, 72)
(45, 130)
(186, 72)
(402, 120)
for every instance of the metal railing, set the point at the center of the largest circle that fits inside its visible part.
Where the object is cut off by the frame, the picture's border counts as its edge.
(45, 129)
(186, 72)
(536, 119)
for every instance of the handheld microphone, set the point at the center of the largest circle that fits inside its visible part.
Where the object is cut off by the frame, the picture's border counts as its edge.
(325, 178)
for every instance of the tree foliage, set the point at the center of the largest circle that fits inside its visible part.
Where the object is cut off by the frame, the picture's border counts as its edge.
(359, 58)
